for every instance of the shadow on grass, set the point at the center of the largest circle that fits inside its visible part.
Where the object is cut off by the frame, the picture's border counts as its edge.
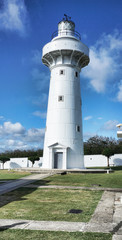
(114, 168)
(7, 180)
(42, 182)
(15, 195)
(117, 168)
(18, 193)
(3, 228)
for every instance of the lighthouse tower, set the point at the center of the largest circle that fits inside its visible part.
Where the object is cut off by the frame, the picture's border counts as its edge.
(65, 55)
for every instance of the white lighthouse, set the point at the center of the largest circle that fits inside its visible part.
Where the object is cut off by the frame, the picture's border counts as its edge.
(65, 55)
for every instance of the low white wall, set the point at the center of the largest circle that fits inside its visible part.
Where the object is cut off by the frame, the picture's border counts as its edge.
(89, 161)
(116, 160)
(38, 163)
(1, 165)
(20, 163)
(17, 163)
(95, 161)
(101, 161)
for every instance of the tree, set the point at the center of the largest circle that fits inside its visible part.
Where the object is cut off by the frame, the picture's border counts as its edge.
(33, 159)
(119, 147)
(96, 145)
(108, 152)
(22, 153)
(4, 159)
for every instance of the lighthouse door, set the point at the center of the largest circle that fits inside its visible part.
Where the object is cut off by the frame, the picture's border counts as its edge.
(58, 159)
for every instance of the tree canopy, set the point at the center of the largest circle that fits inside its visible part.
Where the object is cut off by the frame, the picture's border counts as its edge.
(33, 159)
(97, 144)
(22, 153)
(94, 145)
(4, 159)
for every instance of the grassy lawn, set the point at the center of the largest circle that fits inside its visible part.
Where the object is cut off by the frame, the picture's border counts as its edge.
(47, 235)
(11, 175)
(112, 180)
(48, 204)
(113, 168)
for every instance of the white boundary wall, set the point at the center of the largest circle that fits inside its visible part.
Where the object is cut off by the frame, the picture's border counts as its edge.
(95, 161)
(101, 161)
(89, 161)
(20, 163)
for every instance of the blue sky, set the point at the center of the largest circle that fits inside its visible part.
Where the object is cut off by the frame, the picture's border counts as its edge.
(25, 27)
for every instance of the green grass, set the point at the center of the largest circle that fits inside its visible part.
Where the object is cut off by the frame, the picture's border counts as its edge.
(117, 168)
(12, 175)
(47, 235)
(112, 180)
(111, 167)
(49, 204)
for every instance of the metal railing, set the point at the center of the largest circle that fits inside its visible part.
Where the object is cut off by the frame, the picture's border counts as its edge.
(66, 32)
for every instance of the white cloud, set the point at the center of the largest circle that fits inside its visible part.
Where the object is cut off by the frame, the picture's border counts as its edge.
(15, 136)
(88, 118)
(1, 117)
(41, 79)
(104, 61)
(1, 129)
(110, 125)
(34, 135)
(10, 142)
(40, 114)
(13, 16)
(36, 58)
(40, 101)
(99, 118)
(84, 36)
(88, 135)
(119, 94)
(115, 42)
(12, 145)
(13, 128)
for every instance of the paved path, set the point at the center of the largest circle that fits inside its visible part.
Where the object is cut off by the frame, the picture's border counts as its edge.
(75, 187)
(117, 217)
(106, 218)
(12, 185)
(42, 225)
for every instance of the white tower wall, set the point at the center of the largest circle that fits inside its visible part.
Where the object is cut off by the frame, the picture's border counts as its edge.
(65, 55)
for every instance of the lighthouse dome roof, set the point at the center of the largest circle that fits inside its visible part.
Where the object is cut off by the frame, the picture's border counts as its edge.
(66, 25)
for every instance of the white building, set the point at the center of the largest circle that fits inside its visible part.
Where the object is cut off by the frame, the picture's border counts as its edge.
(119, 132)
(65, 55)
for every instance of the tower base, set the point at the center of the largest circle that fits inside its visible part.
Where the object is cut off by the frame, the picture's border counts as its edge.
(61, 157)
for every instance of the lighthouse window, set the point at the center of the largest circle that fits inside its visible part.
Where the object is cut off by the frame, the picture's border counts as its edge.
(76, 74)
(61, 72)
(60, 98)
(78, 128)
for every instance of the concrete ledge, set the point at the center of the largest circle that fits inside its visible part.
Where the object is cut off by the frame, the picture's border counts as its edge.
(99, 227)
(117, 237)
(42, 225)
(57, 226)
(75, 187)
(59, 171)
